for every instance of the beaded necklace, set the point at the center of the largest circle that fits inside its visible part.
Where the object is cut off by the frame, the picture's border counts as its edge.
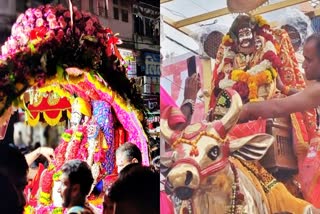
(237, 198)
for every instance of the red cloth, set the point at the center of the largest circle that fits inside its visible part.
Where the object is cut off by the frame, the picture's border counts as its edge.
(247, 129)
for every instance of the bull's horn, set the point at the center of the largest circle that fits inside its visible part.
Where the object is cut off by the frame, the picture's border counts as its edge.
(231, 117)
(171, 117)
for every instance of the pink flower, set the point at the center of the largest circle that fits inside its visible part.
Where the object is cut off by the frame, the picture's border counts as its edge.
(53, 25)
(60, 35)
(77, 15)
(50, 34)
(4, 49)
(20, 17)
(77, 31)
(38, 13)
(66, 14)
(89, 26)
(39, 22)
(75, 9)
(49, 10)
(29, 13)
(27, 29)
(86, 14)
(60, 7)
(51, 17)
(16, 29)
(95, 19)
(62, 22)
(74, 71)
(24, 21)
(23, 39)
(12, 44)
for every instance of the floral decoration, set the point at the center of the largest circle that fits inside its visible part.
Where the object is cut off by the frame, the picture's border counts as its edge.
(247, 82)
(46, 38)
(253, 81)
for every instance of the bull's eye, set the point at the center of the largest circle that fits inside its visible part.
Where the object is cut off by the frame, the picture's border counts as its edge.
(214, 152)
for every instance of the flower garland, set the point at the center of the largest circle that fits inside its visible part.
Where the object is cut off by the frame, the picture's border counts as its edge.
(49, 36)
(247, 83)
(67, 150)
(254, 80)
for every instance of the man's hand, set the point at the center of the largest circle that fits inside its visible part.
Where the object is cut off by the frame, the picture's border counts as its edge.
(192, 86)
(245, 113)
(47, 152)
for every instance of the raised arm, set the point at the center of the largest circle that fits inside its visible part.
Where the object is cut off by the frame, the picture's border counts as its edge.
(302, 101)
(45, 151)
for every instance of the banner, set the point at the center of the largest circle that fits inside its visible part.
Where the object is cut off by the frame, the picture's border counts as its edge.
(173, 78)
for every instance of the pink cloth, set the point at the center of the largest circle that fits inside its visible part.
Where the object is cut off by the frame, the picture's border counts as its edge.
(166, 206)
(169, 110)
(166, 99)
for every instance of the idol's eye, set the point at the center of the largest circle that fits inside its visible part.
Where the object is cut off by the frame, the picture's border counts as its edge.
(214, 153)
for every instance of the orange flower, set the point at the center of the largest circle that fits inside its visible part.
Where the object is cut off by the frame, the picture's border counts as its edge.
(254, 81)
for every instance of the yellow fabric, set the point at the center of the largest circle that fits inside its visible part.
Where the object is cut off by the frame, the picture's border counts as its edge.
(300, 146)
(52, 121)
(281, 200)
(278, 197)
(32, 121)
(83, 106)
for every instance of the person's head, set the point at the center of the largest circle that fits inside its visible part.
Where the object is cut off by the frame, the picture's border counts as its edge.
(136, 191)
(126, 154)
(13, 169)
(311, 53)
(243, 31)
(76, 181)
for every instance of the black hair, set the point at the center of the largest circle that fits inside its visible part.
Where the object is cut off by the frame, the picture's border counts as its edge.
(8, 197)
(316, 38)
(139, 185)
(242, 21)
(12, 161)
(79, 172)
(131, 151)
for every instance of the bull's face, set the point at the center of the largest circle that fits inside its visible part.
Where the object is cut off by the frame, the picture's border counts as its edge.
(202, 152)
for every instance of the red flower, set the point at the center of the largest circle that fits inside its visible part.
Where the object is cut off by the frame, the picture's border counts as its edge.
(38, 32)
(242, 88)
(273, 58)
(227, 60)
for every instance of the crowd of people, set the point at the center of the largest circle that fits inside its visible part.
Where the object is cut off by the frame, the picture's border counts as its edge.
(135, 191)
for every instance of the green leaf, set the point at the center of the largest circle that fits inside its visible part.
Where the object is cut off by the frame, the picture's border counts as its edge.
(60, 72)
(91, 39)
(32, 48)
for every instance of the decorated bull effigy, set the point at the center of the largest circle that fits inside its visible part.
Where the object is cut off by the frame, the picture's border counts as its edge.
(211, 173)
(61, 63)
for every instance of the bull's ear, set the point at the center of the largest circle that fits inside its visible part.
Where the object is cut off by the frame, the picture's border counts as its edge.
(252, 147)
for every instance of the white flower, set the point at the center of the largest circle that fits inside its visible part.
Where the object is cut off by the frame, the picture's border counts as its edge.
(262, 66)
(269, 47)
(226, 83)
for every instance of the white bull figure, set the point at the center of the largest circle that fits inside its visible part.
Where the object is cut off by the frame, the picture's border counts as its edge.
(211, 174)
